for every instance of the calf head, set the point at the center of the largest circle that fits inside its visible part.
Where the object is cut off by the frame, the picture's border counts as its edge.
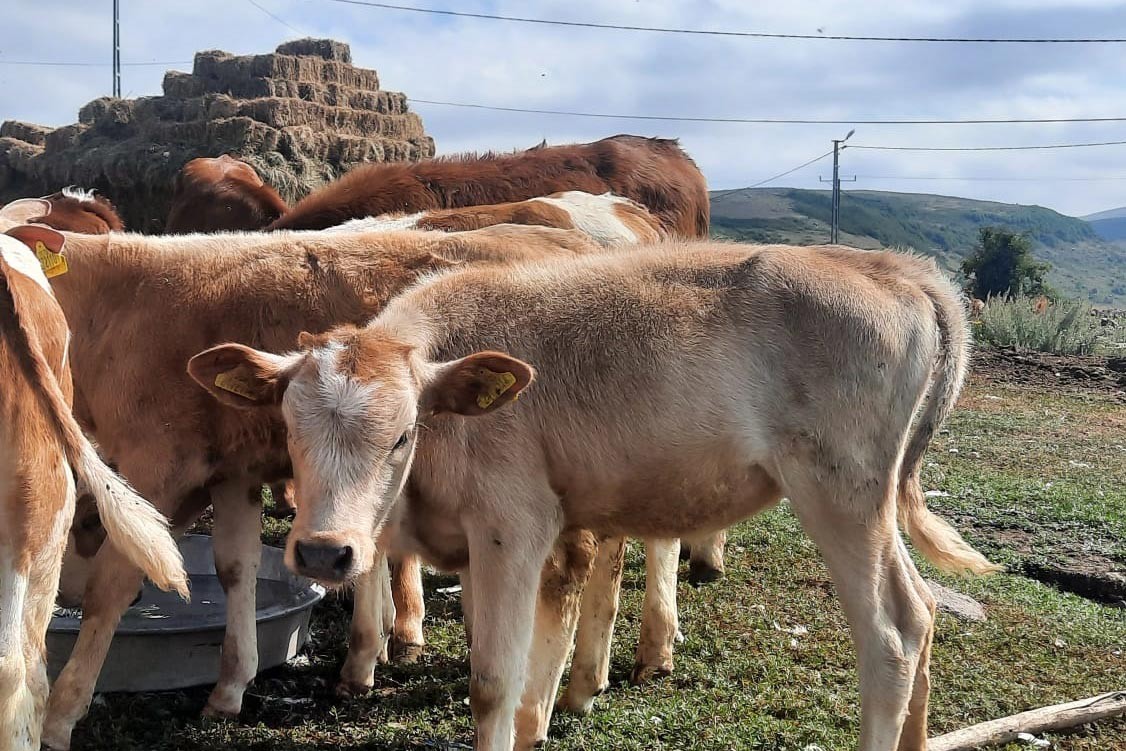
(353, 401)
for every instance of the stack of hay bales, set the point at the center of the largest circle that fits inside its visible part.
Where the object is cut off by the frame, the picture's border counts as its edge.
(301, 116)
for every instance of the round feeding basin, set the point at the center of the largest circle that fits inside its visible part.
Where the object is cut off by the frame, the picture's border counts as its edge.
(164, 643)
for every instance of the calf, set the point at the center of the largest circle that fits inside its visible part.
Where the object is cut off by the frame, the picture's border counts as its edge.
(173, 442)
(731, 375)
(70, 210)
(654, 172)
(609, 220)
(221, 194)
(40, 444)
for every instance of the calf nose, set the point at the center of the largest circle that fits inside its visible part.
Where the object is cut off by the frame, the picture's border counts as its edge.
(324, 561)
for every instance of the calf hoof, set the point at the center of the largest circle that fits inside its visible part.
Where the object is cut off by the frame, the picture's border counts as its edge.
(703, 573)
(572, 703)
(213, 712)
(645, 673)
(54, 741)
(352, 689)
(403, 653)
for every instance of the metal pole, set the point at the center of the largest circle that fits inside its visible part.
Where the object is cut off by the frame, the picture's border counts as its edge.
(116, 48)
(836, 192)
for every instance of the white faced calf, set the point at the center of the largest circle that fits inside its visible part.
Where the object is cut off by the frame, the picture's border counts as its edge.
(729, 375)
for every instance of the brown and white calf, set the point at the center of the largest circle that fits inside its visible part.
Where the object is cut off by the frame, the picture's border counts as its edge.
(175, 443)
(70, 210)
(609, 220)
(221, 194)
(40, 445)
(728, 375)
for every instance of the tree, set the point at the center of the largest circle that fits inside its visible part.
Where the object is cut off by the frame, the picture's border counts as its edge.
(1002, 264)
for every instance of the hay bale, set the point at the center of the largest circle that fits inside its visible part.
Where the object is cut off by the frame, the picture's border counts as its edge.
(302, 116)
(326, 49)
(26, 132)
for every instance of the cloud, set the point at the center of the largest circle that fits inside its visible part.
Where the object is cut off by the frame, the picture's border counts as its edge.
(523, 65)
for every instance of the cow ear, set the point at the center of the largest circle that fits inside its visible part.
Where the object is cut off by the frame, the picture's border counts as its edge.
(476, 385)
(24, 210)
(30, 234)
(242, 377)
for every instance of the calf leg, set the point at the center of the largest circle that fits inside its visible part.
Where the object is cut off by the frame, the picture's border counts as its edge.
(706, 558)
(467, 605)
(557, 610)
(914, 735)
(238, 553)
(890, 616)
(19, 713)
(111, 589)
(505, 568)
(659, 622)
(371, 629)
(406, 589)
(590, 667)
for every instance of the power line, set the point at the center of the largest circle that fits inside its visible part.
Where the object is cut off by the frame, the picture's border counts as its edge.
(775, 177)
(52, 63)
(714, 32)
(276, 18)
(990, 148)
(979, 178)
(767, 120)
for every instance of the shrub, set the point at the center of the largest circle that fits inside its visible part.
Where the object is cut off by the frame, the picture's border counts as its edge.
(1002, 264)
(1063, 327)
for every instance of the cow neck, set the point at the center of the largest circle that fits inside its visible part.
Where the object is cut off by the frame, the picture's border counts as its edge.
(100, 269)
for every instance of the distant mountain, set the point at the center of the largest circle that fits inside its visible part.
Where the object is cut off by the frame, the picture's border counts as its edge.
(1083, 263)
(1109, 224)
(1119, 213)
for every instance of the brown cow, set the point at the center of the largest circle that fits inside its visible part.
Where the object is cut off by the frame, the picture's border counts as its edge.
(693, 372)
(652, 171)
(40, 444)
(172, 441)
(221, 194)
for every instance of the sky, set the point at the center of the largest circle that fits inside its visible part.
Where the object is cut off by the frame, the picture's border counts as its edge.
(625, 72)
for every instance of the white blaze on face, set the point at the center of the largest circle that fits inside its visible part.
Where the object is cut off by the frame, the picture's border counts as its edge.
(595, 216)
(21, 259)
(343, 431)
(78, 194)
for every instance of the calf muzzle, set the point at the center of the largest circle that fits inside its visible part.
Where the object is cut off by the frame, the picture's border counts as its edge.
(323, 561)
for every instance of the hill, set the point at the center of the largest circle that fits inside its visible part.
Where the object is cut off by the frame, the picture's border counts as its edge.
(1110, 224)
(1083, 263)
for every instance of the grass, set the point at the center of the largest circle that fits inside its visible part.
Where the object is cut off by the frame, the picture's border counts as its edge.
(1034, 474)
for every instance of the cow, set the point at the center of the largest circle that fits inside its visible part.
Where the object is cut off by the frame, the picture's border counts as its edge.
(71, 209)
(169, 438)
(609, 220)
(40, 445)
(731, 375)
(654, 172)
(221, 194)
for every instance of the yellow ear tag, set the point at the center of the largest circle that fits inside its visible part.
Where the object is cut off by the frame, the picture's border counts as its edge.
(495, 385)
(236, 382)
(53, 263)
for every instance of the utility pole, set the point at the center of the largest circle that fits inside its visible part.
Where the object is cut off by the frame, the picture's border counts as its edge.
(834, 227)
(117, 48)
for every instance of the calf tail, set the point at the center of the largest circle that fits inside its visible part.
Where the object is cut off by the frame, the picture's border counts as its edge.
(132, 524)
(939, 542)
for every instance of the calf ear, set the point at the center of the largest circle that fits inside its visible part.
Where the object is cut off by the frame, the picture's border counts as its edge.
(24, 210)
(477, 384)
(243, 377)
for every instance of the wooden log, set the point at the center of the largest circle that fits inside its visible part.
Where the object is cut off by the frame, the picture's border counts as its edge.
(1055, 717)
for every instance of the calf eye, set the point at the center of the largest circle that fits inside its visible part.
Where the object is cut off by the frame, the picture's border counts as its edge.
(401, 442)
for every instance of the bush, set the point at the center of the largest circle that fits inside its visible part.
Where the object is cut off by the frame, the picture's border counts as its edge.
(1002, 264)
(1064, 327)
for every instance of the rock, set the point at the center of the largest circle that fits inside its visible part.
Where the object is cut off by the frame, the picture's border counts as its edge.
(956, 604)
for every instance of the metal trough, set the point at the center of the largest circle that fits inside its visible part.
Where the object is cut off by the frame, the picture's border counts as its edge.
(163, 643)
